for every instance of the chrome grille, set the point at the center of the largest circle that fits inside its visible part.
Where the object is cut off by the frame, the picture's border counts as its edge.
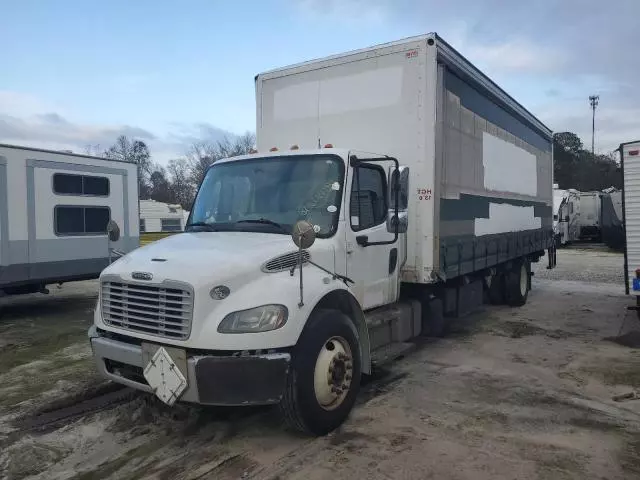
(164, 310)
(285, 262)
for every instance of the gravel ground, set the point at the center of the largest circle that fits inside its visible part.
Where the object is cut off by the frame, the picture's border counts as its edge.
(521, 393)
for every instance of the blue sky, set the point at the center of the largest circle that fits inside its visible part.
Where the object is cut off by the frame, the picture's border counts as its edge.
(76, 72)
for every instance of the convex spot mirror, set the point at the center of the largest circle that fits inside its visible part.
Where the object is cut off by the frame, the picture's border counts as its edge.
(113, 231)
(303, 234)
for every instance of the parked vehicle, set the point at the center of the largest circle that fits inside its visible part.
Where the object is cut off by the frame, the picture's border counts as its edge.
(630, 164)
(590, 216)
(54, 211)
(157, 217)
(611, 224)
(306, 265)
(568, 228)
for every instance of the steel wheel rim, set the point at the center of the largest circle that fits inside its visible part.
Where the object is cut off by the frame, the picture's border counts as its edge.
(523, 280)
(333, 373)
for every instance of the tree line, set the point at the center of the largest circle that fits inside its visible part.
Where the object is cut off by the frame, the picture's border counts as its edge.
(177, 183)
(575, 167)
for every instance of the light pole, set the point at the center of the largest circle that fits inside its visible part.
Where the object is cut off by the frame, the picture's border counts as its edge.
(593, 100)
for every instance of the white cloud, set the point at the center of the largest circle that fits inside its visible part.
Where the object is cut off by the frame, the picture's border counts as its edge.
(27, 120)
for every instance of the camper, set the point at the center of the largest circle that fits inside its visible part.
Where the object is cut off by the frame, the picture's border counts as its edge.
(54, 211)
(630, 164)
(393, 189)
(156, 217)
(590, 216)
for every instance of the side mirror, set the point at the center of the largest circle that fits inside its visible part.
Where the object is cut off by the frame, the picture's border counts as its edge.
(401, 221)
(113, 231)
(399, 180)
(398, 183)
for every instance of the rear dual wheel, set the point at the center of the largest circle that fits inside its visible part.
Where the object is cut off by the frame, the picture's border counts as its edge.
(512, 286)
(517, 284)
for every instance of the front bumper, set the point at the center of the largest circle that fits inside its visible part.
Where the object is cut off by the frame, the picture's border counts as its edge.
(223, 380)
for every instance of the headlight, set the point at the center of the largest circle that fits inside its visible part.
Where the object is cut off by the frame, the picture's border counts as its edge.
(254, 320)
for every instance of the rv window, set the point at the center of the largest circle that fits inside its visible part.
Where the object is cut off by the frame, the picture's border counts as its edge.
(171, 225)
(77, 220)
(143, 226)
(68, 184)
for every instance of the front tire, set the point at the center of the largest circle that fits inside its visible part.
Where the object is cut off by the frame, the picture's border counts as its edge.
(324, 378)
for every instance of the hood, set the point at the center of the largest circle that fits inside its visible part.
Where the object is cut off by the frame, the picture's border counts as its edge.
(203, 255)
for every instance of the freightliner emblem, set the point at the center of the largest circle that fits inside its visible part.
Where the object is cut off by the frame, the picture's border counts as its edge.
(141, 276)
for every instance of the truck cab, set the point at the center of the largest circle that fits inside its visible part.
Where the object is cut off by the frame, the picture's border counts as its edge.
(220, 314)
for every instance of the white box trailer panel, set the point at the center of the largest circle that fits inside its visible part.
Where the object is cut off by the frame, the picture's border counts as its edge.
(481, 165)
(53, 212)
(630, 162)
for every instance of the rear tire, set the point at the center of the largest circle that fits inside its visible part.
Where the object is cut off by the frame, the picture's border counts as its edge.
(517, 284)
(324, 378)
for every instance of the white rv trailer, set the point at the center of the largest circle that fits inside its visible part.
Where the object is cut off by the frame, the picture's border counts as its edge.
(54, 209)
(158, 217)
(630, 163)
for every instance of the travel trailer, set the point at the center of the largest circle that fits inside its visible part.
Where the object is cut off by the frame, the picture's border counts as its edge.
(54, 211)
(158, 217)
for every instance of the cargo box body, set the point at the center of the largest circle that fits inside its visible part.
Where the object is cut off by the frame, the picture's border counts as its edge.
(630, 162)
(481, 171)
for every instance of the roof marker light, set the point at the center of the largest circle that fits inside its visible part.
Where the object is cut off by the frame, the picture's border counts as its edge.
(273, 149)
(634, 152)
(253, 150)
(294, 147)
(328, 145)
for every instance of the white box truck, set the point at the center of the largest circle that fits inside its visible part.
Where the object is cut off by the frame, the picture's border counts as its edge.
(54, 211)
(590, 216)
(415, 188)
(630, 164)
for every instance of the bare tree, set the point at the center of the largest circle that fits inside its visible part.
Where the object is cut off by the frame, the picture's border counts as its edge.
(203, 154)
(133, 151)
(182, 188)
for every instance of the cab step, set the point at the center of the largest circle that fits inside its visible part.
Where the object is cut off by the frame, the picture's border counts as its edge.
(391, 352)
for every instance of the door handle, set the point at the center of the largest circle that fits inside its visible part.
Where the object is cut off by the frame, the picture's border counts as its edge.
(362, 240)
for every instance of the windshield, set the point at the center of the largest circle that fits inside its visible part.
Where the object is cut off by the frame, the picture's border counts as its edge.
(271, 194)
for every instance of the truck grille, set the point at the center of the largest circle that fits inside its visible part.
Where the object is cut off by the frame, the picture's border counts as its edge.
(162, 310)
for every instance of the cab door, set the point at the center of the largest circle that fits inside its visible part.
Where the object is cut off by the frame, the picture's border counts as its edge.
(373, 267)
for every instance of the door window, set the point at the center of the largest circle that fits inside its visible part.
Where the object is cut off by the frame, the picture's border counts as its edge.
(368, 207)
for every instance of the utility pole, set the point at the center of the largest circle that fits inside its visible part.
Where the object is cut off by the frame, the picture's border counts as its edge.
(593, 100)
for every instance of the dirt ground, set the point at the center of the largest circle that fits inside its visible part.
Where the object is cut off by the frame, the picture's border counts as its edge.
(521, 393)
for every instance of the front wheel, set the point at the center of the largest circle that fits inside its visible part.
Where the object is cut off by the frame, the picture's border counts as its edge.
(324, 378)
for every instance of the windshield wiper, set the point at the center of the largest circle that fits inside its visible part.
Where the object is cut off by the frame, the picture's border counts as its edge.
(206, 225)
(265, 221)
